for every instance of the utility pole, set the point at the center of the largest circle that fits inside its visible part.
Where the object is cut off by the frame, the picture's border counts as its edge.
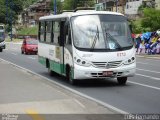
(116, 5)
(55, 7)
(11, 4)
(6, 11)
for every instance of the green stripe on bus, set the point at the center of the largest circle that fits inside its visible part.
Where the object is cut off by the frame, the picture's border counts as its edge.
(56, 67)
(42, 60)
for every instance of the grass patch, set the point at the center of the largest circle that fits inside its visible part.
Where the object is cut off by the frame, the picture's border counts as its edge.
(28, 31)
(13, 40)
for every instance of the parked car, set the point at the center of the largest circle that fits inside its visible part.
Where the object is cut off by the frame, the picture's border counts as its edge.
(29, 46)
(2, 40)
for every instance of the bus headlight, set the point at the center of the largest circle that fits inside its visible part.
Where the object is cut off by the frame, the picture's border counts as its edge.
(81, 62)
(129, 61)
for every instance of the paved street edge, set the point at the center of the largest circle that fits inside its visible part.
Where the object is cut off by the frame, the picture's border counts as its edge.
(67, 88)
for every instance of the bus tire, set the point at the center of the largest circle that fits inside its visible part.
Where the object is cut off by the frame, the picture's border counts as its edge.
(69, 76)
(122, 80)
(51, 73)
(1, 50)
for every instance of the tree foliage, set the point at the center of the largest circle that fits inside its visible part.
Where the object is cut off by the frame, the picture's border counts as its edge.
(9, 10)
(151, 19)
(27, 3)
(72, 4)
(58, 5)
(69, 4)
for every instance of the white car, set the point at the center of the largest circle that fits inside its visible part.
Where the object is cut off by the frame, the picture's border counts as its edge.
(2, 40)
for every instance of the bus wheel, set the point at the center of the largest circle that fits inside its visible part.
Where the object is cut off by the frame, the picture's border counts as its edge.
(1, 50)
(69, 77)
(122, 80)
(51, 73)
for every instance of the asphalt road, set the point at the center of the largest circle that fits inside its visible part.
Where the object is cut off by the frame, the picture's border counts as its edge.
(141, 94)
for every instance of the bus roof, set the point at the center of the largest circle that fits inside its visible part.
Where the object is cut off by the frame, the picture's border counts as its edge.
(83, 12)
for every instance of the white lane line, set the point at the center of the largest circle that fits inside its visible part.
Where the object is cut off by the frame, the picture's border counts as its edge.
(77, 101)
(14, 48)
(70, 89)
(14, 53)
(154, 78)
(33, 58)
(148, 70)
(144, 85)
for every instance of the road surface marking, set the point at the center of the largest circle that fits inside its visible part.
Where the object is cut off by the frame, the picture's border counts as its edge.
(32, 58)
(144, 85)
(34, 114)
(13, 48)
(154, 78)
(83, 106)
(14, 53)
(147, 70)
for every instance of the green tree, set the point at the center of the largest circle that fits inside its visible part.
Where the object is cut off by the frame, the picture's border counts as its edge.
(85, 3)
(73, 4)
(69, 4)
(27, 3)
(151, 19)
(59, 6)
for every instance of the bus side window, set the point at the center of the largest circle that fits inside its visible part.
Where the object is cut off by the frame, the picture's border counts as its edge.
(45, 28)
(52, 32)
(48, 31)
(69, 36)
(56, 32)
(67, 32)
(39, 30)
(42, 29)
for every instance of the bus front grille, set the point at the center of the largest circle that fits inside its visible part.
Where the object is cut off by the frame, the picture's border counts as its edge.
(100, 75)
(112, 64)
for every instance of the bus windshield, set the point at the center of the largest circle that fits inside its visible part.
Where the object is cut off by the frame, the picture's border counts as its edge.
(101, 32)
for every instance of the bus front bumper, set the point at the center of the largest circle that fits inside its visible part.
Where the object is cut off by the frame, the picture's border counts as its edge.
(81, 72)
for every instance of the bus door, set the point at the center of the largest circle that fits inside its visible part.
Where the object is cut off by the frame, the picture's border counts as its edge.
(67, 46)
(61, 43)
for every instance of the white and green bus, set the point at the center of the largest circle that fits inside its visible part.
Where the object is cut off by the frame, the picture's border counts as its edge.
(87, 45)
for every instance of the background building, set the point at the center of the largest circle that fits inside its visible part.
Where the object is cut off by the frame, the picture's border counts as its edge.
(111, 5)
(132, 7)
(157, 4)
(32, 14)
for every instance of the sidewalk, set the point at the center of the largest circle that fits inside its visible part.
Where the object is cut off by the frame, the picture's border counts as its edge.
(157, 56)
(25, 93)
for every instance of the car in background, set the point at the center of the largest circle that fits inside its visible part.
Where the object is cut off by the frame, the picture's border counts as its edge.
(2, 40)
(29, 46)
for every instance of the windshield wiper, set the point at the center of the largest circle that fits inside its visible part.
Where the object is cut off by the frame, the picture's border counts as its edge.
(95, 39)
(112, 38)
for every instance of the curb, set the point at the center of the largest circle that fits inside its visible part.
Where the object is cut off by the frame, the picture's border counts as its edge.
(116, 110)
(149, 57)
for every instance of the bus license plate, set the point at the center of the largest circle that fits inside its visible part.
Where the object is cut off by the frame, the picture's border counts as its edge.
(107, 73)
